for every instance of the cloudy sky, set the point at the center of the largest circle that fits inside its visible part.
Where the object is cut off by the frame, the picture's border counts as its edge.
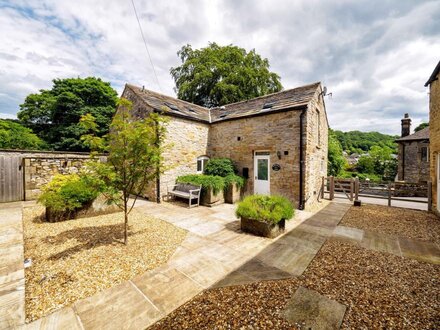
(374, 56)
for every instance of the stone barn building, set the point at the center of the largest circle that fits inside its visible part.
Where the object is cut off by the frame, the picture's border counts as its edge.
(434, 129)
(413, 158)
(278, 141)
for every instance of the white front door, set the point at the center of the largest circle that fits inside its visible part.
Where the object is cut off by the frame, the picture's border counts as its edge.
(438, 181)
(262, 173)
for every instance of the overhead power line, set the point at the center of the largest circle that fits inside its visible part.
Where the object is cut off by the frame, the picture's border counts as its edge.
(146, 47)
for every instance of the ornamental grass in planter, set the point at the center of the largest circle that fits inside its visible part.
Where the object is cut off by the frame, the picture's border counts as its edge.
(264, 215)
(212, 187)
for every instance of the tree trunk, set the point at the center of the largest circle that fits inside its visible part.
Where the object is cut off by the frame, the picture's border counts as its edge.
(125, 219)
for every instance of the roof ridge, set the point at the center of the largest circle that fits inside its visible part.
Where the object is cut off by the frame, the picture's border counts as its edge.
(271, 94)
(419, 135)
(133, 87)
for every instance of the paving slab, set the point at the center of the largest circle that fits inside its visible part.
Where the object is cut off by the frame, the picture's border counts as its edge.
(167, 288)
(121, 307)
(310, 310)
(12, 298)
(302, 239)
(381, 243)
(12, 304)
(348, 233)
(286, 258)
(234, 278)
(419, 250)
(201, 269)
(63, 319)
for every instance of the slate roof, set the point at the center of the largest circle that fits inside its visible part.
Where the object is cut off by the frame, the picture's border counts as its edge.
(289, 99)
(423, 134)
(176, 107)
(434, 74)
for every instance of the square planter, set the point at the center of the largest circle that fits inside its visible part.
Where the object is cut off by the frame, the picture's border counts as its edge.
(232, 194)
(94, 208)
(261, 228)
(208, 198)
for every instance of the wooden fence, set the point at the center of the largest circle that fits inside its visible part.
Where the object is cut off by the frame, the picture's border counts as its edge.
(391, 191)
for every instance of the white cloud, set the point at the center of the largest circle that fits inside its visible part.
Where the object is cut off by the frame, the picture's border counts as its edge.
(374, 56)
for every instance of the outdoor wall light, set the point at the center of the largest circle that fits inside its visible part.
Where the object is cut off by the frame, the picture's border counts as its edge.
(279, 154)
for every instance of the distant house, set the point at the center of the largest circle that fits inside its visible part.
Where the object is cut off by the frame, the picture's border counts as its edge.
(434, 123)
(413, 157)
(277, 141)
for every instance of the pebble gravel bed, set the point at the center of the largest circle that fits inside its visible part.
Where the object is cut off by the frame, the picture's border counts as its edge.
(381, 291)
(396, 221)
(75, 259)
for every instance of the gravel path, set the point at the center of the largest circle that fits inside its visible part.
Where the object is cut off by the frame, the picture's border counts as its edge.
(380, 290)
(75, 259)
(415, 224)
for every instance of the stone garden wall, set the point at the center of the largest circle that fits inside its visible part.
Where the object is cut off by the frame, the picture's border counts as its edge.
(40, 167)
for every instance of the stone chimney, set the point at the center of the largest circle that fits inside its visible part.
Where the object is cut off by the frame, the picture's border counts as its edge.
(406, 125)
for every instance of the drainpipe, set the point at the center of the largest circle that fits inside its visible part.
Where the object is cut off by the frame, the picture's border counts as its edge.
(301, 161)
(403, 161)
(157, 165)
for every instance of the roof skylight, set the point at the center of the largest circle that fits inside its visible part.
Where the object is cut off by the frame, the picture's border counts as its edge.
(172, 106)
(268, 105)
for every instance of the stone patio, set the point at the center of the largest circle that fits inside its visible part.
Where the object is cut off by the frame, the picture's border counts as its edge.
(215, 253)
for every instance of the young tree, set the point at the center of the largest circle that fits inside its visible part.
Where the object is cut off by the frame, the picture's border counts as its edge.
(15, 136)
(216, 75)
(54, 114)
(135, 155)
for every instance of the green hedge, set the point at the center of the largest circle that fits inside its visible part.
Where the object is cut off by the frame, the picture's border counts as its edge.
(216, 183)
(220, 167)
(68, 192)
(271, 209)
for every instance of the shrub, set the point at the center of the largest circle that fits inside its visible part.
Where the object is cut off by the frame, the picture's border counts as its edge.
(68, 192)
(220, 167)
(216, 183)
(233, 178)
(271, 209)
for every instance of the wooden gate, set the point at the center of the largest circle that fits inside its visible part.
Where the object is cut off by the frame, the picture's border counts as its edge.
(11, 179)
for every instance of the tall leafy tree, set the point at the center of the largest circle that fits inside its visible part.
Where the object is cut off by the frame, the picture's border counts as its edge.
(135, 155)
(361, 142)
(217, 75)
(421, 126)
(15, 136)
(54, 114)
(336, 160)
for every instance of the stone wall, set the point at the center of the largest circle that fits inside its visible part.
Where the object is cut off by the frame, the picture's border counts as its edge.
(40, 167)
(186, 140)
(434, 138)
(239, 139)
(316, 148)
(411, 168)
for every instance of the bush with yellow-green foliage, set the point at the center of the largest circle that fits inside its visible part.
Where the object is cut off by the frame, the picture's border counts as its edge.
(68, 193)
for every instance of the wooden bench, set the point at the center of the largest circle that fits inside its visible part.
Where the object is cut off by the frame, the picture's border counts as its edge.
(187, 191)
